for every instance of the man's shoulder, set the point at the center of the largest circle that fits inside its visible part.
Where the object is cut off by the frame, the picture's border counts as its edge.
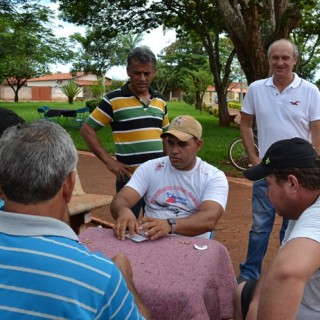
(117, 93)
(208, 168)
(260, 82)
(308, 84)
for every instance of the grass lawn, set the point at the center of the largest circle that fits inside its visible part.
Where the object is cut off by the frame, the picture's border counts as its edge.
(216, 139)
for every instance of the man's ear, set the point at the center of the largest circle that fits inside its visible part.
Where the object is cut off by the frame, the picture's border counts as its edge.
(199, 144)
(68, 185)
(293, 183)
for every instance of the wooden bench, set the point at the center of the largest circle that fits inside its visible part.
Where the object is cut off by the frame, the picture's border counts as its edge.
(83, 203)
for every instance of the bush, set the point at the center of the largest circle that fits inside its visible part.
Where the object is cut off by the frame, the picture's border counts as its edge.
(92, 104)
(189, 99)
(234, 105)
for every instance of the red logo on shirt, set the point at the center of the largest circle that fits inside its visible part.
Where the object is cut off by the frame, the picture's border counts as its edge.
(159, 166)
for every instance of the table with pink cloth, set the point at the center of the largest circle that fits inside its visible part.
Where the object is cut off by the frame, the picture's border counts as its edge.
(175, 280)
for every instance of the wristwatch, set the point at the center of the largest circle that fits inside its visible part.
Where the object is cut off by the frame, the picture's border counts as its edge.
(173, 224)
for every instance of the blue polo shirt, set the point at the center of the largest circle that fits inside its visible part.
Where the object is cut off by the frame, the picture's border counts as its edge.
(45, 273)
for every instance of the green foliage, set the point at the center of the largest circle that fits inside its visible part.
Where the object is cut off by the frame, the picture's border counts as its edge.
(193, 21)
(92, 104)
(256, 23)
(27, 44)
(98, 89)
(71, 90)
(196, 82)
(115, 85)
(98, 52)
(235, 105)
(307, 38)
(95, 55)
(189, 99)
(127, 42)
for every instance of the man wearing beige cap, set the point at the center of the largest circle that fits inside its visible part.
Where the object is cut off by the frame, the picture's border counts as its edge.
(184, 195)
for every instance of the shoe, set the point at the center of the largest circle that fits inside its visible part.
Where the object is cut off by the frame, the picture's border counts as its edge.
(241, 279)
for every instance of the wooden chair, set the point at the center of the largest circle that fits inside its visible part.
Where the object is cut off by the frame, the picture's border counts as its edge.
(83, 203)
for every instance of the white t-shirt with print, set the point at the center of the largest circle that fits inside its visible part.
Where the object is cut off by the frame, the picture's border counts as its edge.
(172, 193)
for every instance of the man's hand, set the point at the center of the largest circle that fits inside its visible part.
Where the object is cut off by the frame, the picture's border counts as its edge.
(120, 169)
(124, 265)
(154, 228)
(125, 220)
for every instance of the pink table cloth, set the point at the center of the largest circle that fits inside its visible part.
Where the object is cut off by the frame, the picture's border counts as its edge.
(175, 280)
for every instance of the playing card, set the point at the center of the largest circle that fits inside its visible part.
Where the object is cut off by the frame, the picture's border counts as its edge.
(136, 237)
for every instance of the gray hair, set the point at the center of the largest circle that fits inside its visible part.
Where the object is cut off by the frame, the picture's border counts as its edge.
(142, 54)
(294, 47)
(35, 160)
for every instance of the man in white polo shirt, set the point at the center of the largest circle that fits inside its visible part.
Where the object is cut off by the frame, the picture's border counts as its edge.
(285, 106)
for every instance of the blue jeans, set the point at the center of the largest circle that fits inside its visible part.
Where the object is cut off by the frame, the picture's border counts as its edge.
(263, 215)
(138, 206)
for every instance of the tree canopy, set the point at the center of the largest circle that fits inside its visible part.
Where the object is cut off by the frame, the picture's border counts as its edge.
(251, 25)
(27, 43)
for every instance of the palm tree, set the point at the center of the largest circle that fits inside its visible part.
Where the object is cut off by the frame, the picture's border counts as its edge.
(127, 42)
(71, 90)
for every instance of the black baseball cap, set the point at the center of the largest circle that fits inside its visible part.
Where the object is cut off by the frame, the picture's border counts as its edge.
(284, 154)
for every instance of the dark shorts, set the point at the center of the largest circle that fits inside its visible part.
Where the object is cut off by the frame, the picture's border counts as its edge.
(247, 295)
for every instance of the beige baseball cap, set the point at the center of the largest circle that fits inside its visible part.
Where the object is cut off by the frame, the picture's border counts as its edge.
(184, 128)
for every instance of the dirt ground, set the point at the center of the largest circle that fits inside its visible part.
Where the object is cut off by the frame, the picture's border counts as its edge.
(233, 227)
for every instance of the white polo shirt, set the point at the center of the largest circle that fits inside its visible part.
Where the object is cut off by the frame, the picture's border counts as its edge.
(282, 115)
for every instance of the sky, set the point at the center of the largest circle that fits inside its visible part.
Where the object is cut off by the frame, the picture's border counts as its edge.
(156, 40)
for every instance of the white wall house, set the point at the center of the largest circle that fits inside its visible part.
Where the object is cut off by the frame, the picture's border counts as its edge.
(47, 87)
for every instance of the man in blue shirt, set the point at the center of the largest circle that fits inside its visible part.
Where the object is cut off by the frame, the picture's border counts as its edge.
(44, 271)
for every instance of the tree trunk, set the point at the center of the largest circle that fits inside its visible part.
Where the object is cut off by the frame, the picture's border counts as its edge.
(253, 26)
(16, 96)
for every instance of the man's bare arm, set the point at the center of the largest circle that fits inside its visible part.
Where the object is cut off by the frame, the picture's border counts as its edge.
(121, 211)
(315, 134)
(125, 267)
(287, 276)
(248, 138)
(92, 140)
(203, 221)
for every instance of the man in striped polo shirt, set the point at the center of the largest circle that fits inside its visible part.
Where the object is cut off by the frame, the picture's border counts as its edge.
(137, 115)
(45, 273)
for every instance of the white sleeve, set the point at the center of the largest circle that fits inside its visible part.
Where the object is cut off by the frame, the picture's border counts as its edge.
(217, 189)
(307, 226)
(248, 105)
(140, 179)
(314, 111)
